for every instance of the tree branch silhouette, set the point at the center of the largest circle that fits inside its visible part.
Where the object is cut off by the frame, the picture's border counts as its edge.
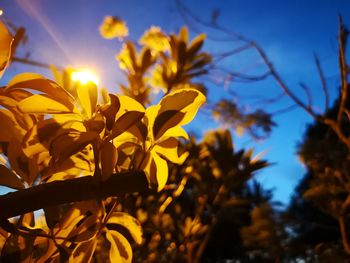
(69, 191)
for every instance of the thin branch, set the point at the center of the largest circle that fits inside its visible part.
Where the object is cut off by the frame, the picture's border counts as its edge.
(308, 94)
(33, 63)
(323, 81)
(69, 191)
(343, 34)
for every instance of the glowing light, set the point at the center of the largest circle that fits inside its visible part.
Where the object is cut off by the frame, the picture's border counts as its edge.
(1, 12)
(84, 76)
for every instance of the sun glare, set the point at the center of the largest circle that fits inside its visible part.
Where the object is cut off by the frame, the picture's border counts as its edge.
(84, 76)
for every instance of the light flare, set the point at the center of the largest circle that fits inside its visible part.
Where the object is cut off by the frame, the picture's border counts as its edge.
(84, 76)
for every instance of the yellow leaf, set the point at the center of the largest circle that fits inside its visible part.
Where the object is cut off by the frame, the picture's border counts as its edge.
(128, 104)
(9, 179)
(109, 158)
(85, 230)
(123, 123)
(84, 251)
(175, 109)
(113, 27)
(120, 250)
(87, 95)
(5, 47)
(156, 170)
(168, 150)
(187, 101)
(129, 222)
(43, 105)
(39, 83)
(10, 128)
(110, 110)
(175, 132)
(69, 143)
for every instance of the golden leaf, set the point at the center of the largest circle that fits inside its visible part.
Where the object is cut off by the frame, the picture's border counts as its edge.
(120, 250)
(129, 222)
(168, 149)
(109, 158)
(5, 47)
(9, 179)
(87, 95)
(42, 104)
(113, 27)
(156, 170)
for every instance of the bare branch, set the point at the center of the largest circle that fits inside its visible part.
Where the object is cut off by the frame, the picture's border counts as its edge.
(343, 34)
(308, 94)
(323, 81)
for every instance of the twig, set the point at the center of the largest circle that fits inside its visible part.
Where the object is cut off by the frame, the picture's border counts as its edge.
(323, 81)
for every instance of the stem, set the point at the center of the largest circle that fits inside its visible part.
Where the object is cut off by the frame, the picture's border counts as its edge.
(343, 232)
(68, 191)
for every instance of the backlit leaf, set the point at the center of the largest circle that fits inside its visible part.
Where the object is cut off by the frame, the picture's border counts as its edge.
(110, 110)
(166, 120)
(109, 157)
(5, 47)
(43, 105)
(70, 143)
(9, 179)
(84, 251)
(39, 83)
(156, 170)
(129, 222)
(120, 250)
(168, 149)
(125, 122)
(87, 95)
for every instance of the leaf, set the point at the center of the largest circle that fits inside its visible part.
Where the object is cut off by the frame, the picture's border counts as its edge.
(184, 100)
(42, 104)
(9, 179)
(39, 83)
(110, 111)
(86, 230)
(125, 122)
(156, 170)
(166, 120)
(175, 132)
(113, 27)
(84, 251)
(168, 149)
(109, 158)
(129, 104)
(196, 45)
(5, 47)
(10, 128)
(120, 250)
(70, 143)
(183, 35)
(87, 95)
(177, 108)
(129, 222)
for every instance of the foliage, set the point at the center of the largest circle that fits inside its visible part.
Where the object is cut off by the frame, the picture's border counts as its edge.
(59, 131)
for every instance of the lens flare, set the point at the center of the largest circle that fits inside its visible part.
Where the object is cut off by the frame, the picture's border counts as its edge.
(84, 77)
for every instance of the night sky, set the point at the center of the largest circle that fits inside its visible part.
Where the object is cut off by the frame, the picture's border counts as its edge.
(66, 33)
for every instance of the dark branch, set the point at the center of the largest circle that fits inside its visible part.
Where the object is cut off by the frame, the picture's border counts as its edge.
(69, 191)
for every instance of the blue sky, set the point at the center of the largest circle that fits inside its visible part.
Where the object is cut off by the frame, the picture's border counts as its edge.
(66, 33)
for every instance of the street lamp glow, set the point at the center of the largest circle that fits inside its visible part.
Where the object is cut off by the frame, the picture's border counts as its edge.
(84, 76)
(1, 12)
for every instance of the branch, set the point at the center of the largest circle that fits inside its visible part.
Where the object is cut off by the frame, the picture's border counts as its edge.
(343, 34)
(323, 81)
(33, 63)
(68, 191)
